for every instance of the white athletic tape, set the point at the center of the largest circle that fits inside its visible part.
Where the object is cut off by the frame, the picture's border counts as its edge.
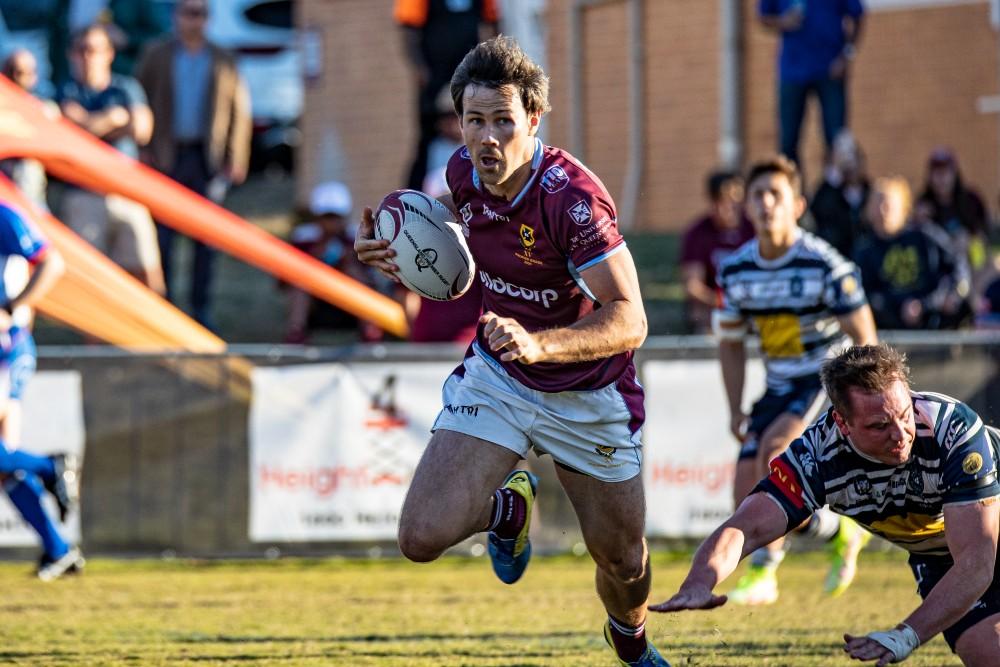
(902, 641)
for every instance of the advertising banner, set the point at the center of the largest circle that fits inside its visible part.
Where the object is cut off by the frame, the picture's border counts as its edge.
(689, 454)
(333, 447)
(52, 422)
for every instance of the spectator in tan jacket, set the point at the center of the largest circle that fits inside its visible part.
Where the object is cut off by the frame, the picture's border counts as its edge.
(203, 124)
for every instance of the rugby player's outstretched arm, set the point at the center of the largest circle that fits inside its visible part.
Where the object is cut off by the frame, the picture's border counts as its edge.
(859, 324)
(971, 530)
(758, 521)
(617, 326)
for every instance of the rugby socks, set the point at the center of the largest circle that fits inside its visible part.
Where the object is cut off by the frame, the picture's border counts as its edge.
(823, 524)
(25, 492)
(12, 460)
(510, 511)
(766, 558)
(630, 642)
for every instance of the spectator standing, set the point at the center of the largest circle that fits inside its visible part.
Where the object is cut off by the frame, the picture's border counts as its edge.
(203, 128)
(838, 206)
(949, 203)
(818, 45)
(910, 273)
(436, 36)
(709, 240)
(21, 67)
(113, 108)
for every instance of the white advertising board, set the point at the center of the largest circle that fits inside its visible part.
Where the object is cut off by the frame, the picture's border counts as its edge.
(52, 422)
(689, 454)
(333, 447)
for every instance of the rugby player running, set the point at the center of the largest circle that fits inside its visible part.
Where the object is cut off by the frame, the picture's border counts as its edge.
(551, 367)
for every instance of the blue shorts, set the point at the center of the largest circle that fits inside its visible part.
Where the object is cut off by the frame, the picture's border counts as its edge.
(803, 399)
(18, 363)
(928, 570)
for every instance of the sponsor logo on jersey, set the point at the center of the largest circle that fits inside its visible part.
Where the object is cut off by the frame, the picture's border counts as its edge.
(554, 179)
(863, 486)
(795, 286)
(581, 213)
(493, 215)
(972, 463)
(501, 286)
(954, 429)
(915, 482)
(605, 451)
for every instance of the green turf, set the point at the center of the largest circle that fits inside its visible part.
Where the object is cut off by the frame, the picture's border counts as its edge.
(390, 612)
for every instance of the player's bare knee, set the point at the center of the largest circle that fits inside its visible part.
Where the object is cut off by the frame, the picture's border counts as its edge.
(419, 545)
(416, 547)
(624, 565)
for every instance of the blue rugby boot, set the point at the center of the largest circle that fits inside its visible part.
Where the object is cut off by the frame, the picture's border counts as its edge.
(510, 556)
(651, 658)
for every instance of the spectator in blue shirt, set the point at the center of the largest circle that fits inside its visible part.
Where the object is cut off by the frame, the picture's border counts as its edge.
(818, 40)
(113, 108)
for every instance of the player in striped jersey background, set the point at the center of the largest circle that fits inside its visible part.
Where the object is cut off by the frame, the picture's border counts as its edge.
(804, 301)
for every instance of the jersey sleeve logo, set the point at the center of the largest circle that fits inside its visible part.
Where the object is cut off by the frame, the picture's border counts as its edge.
(784, 478)
(554, 179)
(465, 155)
(972, 463)
(581, 213)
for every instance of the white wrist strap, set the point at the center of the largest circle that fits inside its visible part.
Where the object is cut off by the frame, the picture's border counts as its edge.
(902, 641)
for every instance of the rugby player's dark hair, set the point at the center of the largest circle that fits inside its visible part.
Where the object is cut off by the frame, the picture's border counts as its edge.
(870, 368)
(718, 180)
(778, 164)
(500, 62)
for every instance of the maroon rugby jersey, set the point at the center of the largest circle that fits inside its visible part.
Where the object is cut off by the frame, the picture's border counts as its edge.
(529, 253)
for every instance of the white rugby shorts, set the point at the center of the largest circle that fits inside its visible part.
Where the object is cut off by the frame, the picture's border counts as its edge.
(587, 431)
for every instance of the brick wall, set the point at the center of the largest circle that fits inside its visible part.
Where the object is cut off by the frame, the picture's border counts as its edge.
(359, 119)
(915, 85)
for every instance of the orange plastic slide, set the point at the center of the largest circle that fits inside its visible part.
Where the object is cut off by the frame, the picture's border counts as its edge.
(26, 130)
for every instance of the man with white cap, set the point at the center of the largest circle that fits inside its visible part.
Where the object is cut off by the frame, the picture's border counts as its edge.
(327, 238)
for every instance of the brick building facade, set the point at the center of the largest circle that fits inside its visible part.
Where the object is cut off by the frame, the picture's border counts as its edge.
(924, 75)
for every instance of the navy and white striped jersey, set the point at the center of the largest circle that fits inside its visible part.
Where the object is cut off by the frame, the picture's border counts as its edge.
(954, 461)
(792, 302)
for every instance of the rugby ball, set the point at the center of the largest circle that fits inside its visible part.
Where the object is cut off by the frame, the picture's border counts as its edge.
(434, 260)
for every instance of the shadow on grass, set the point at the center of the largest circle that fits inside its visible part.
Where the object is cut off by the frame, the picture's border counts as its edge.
(381, 639)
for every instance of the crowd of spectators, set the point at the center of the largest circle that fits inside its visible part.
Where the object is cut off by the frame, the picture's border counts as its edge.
(925, 264)
(148, 82)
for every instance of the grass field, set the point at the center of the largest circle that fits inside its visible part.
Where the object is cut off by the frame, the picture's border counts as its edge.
(390, 612)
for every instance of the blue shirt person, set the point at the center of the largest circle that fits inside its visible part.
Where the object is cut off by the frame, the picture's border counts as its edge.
(25, 476)
(818, 40)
